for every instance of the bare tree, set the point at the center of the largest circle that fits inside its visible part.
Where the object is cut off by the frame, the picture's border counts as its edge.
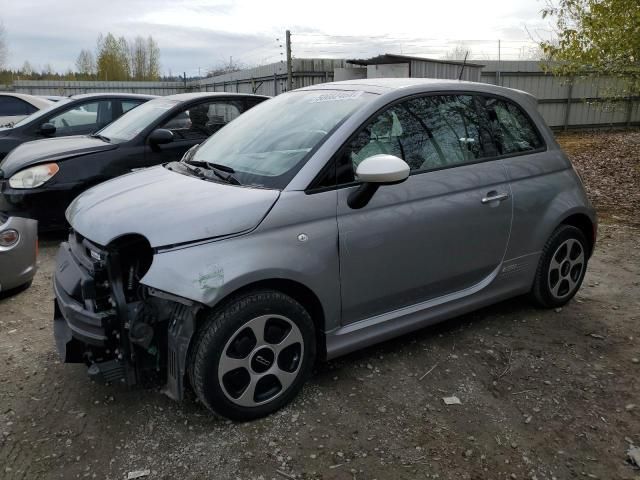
(138, 58)
(47, 70)
(153, 59)
(85, 63)
(223, 67)
(144, 56)
(27, 69)
(4, 51)
(459, 52)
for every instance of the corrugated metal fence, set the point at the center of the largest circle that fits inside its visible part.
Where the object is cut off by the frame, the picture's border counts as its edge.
(66, 88)
(562, 102)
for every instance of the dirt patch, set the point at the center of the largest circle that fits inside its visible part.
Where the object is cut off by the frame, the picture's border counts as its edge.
(544, 394)
(609, 164)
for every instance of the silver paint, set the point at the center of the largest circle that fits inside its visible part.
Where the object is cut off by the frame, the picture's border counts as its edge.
(420, 252)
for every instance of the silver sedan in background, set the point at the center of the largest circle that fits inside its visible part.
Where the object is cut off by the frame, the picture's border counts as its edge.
(18, 252)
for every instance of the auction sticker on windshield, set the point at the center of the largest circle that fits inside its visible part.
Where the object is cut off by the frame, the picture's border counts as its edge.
(335, 96)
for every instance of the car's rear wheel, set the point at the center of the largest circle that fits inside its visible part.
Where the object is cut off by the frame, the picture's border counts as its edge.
(561, 268)
(252, 355)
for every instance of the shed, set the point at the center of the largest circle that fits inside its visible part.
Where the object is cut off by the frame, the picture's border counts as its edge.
(405, 66)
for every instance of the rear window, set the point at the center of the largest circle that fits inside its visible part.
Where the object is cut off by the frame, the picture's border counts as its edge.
(12, 106)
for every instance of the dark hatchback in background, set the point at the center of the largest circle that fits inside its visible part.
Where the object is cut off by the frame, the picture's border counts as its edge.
(39, 180)
(77, 115)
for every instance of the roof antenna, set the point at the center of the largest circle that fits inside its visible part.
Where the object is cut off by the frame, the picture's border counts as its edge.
(463, 64)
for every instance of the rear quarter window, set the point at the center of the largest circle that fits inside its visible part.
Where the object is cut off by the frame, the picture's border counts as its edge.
(11, 106)
(512, 129)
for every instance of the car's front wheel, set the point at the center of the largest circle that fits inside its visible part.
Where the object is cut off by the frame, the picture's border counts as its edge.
(252, 355)
(561, 268)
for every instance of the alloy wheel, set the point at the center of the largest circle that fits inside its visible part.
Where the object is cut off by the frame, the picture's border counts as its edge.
(261, 360)
(566, 268)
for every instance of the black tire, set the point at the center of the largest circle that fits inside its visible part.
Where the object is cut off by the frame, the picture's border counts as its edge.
(16, 290)
(542, 293)
(221, 326)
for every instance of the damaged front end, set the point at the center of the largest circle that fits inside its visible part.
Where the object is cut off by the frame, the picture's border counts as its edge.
(104, 317)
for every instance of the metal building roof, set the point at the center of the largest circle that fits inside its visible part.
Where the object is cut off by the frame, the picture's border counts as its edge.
(395, 58)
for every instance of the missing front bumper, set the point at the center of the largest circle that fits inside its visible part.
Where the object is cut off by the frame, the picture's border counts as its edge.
(145, 341)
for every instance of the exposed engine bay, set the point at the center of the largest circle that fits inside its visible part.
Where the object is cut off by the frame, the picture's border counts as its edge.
(104, 317)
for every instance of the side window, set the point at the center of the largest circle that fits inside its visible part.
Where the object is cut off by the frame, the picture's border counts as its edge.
(512, 130)
(252, 102)
(91, 116)
(11, 106)
(129, 104)
(203, 120)
(428, 133)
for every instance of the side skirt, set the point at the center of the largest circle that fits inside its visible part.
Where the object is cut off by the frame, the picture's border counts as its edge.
(512, 278)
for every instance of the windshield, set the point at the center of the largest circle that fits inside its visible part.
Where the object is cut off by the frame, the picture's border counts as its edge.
(42, 113)
(134, 121)
(268, 145)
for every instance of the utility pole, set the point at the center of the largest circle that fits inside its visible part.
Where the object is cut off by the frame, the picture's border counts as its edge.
(289, 66)
(499, 69)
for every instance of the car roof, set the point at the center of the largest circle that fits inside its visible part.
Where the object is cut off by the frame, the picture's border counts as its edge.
(183, 97)
(383, 86)
(84, 96)
(34, 100)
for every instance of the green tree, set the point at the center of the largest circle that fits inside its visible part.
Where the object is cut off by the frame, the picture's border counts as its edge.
(113, 58)
(596, 38)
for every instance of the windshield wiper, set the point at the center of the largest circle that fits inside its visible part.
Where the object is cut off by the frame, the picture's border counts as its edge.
(101, 137)
(195, 170)
(221, 171)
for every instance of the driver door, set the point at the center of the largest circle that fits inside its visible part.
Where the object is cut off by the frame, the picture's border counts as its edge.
(433, 234)
(190, 126)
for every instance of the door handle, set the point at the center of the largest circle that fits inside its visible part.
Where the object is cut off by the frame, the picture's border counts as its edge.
(495, 197)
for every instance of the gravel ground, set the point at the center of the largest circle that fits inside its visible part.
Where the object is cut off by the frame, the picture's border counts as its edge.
(544, 394)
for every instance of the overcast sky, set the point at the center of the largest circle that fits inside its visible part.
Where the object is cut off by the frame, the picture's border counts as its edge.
(195, 34)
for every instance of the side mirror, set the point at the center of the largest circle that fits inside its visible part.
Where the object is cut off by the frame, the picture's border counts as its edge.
(382, 169)
(376, 171)
(160, 136)
(47, 129)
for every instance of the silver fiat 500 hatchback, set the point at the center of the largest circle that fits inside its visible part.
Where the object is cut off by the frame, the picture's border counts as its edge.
(319, 222)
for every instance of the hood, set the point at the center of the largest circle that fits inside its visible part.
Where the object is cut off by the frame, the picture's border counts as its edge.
(167, 208)
(51, 150)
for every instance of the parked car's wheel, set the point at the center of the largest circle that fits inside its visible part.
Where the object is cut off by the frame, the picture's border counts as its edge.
(561, 268)
(252, 355)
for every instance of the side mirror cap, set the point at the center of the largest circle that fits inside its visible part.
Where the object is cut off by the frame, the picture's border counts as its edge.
(382, 169)
(47, 129)
(376, 171)
(160, 136)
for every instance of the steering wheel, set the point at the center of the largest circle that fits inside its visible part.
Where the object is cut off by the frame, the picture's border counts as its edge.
(64, 122)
